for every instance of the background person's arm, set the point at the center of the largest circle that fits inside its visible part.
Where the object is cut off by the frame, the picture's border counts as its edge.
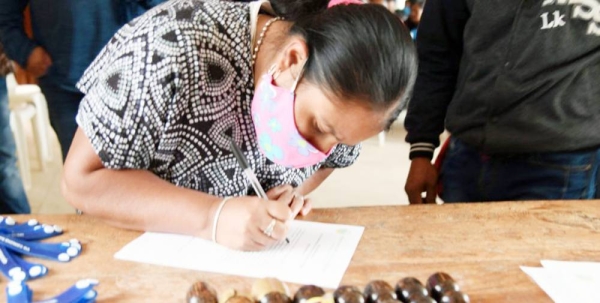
(17, 46)
(439, 45)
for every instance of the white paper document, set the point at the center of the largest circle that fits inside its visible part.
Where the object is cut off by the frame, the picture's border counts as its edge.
(568, 281)
(318, 253)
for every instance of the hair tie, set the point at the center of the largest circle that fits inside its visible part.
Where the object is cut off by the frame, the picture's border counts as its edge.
(345, 2)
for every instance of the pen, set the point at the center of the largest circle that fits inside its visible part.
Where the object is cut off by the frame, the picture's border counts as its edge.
(250, 174)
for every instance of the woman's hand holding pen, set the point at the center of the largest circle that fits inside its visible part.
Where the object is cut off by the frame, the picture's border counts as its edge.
(289, 195)
(252, 223)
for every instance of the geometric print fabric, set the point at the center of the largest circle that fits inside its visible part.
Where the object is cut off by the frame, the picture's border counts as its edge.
(169, 92)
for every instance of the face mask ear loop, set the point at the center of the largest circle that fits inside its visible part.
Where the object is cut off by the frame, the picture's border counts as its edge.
(273, 71)
(298, 78)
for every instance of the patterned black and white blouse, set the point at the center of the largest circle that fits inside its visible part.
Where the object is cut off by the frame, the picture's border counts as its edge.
(169, 92)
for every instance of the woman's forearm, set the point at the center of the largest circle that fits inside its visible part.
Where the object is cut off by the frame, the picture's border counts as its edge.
(139, 200)
(133, 199)
(314, 181)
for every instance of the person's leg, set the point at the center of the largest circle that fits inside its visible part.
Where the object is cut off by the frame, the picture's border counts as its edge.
(597, 196)
(63, 104)
(13, 199)
(462, 173)
(596, 189)
(547, 176)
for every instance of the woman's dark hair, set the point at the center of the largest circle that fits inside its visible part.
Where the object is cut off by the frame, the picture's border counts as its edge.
(356, 51)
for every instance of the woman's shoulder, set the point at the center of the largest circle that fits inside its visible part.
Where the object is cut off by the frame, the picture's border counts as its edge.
(189, 25)
(202, 14)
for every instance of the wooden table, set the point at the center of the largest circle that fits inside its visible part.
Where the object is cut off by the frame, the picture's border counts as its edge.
(480, 245)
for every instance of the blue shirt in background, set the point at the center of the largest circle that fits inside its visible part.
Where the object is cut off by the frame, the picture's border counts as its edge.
(72, 31)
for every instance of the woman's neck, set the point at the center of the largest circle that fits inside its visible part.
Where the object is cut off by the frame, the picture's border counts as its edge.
(269, 49)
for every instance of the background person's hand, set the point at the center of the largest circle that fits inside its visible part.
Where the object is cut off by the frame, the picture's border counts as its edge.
(38, 62)
(243, 220)
(288, 195)
(422, 177)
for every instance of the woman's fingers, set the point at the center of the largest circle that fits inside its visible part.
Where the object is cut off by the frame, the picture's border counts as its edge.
(279, 211)
(297, 204)
(251, 223)
(307, 207)
(276, 192)
(268, 231)
(286, 194)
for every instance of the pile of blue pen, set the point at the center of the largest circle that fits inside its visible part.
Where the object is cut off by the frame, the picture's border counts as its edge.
(18, 239)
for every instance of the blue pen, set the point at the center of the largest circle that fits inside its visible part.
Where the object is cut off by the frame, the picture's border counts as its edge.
(250, 174)
(33, 270)
(17, 269)
(82, 291)
(9, 266)
(56, 251)
(18, 292)
(36, 232)
(31, 230)
(9, 222)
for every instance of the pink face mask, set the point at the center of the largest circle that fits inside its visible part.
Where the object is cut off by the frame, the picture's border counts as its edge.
(275, 126)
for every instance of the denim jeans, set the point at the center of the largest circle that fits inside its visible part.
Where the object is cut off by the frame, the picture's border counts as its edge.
(63, 104)
(468, 175)
(12, 195)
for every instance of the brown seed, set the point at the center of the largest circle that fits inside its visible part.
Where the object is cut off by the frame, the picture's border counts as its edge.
(422, 300)
(439, 283)
(455, 297)
(378, 291)
(408, 289)
(306, 292)
(275, 297)
(270, 290)
(348, 294)
(201, 292)
(264, 286)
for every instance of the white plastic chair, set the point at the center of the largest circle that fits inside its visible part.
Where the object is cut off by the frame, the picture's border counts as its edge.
(18, 116)
(27, 104)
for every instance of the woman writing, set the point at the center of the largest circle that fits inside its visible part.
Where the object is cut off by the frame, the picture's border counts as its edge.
(296, 84)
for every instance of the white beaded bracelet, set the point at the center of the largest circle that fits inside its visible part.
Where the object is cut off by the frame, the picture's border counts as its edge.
(216, 219)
